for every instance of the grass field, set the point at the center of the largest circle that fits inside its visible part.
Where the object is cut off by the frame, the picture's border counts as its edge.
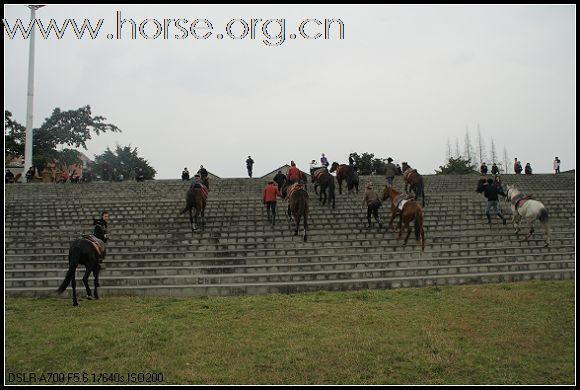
(513, 333)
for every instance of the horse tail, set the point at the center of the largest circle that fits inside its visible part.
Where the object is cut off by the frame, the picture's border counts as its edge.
(419, 232)
(331, 192)
(74, 256)
(421, 191)
(545, 220)
(544, 217)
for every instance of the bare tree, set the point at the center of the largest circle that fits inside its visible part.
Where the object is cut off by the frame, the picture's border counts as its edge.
(448, 151)
(480, 146)
(493, 152)
(457, 152)
(468, 148)
(505, 160)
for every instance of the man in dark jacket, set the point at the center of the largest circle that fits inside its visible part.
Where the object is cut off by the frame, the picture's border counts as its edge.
(280, 179)
(491, 192)
(249, 165)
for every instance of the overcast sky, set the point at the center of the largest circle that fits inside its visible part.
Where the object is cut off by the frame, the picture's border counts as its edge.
(402, 81)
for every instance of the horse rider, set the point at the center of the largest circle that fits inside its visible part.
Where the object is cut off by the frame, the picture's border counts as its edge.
(100, 233)
(204, 176)
(324, 161)
(293, 174)
(491, 192)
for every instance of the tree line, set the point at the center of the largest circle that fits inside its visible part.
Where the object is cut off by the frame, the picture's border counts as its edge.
(62, 133)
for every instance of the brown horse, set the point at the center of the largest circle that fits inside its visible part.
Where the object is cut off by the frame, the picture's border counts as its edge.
(298, 207)
(347, 173)
(325, 180)
(408, 210)
(413, 182)
(196, 198)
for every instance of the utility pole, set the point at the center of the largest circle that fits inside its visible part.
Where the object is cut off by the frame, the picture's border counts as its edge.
(30, 95)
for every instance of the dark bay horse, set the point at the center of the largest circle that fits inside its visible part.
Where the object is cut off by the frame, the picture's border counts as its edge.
(325, 180)
(82, 251)
(347, 173)
(298, 206)
(413, 182)
(407, 210)
(196, 198)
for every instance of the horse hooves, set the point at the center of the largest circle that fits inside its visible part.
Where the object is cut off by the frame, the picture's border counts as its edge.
(75, 303)
(90, 298)
(305, 239)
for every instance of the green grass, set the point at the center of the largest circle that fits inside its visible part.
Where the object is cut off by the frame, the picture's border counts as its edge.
(517, 333)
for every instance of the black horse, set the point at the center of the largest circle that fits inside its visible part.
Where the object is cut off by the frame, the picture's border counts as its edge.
(325, 180)
(83, 251)
(347, 173)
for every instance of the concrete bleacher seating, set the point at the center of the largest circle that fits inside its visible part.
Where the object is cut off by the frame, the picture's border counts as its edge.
(152, 250)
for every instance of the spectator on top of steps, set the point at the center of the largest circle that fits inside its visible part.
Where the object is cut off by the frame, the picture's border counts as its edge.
(483, 168)
(249, 165)
(185, 174)
(9, 178)
(556, 165)
(528, 169)
(270, 195)
(494, 169)
(517, 166)
(139, 175)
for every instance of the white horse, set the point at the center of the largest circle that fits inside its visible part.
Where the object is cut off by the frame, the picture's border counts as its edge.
(529, 209)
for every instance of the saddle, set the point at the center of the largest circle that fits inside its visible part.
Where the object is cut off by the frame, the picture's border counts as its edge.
(400, 201)
(292, 189)
(408, 173)
(203, 188)
(319, 172)
(519, 200)
(97, 243)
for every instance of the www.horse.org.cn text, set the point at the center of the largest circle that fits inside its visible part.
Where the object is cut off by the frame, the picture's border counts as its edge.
(271, 32)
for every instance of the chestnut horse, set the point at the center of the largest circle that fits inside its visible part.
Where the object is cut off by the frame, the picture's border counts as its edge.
(414, 182)
(298, 206)
(345, 172)
(196, 198)
(408, 210)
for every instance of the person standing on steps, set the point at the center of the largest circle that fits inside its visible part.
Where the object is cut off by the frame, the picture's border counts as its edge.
(373, 203)
(491, 192)
(390, 171)
(270, 196)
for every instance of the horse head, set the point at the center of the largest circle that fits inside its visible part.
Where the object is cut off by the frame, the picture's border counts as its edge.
(511, 191)
(333, 166)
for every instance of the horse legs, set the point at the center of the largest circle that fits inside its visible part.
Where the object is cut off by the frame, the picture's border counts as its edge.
(86, 282)
(193, 227)
(96, 275)
(297, 225)
(73, 284)
(531, 225)
(408, 231)
(305, 226)
(339, 185)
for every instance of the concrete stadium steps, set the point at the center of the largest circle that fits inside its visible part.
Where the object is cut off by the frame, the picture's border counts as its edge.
(152, 250)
